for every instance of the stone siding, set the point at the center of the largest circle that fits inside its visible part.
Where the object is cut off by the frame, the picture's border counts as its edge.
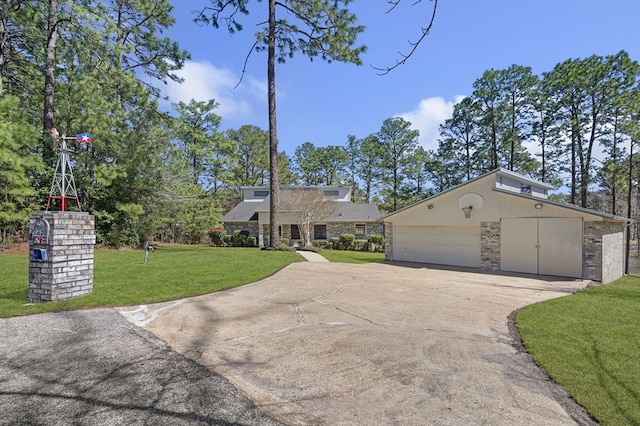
(67, 271)
(490, 246)
(388, 241)
(335, 229)
(603, 251)
(252, 227)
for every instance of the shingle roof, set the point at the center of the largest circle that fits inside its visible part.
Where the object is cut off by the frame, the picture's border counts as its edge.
(347, 212)
(244, 211)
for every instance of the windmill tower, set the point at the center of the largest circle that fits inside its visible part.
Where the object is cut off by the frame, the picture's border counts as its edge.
(63, 187)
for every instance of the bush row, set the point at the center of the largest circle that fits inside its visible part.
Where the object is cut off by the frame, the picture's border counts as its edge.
(239, 238)
(349, 242)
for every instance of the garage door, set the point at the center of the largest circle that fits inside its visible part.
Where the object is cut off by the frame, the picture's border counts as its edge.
(547, 246)
(443, 245)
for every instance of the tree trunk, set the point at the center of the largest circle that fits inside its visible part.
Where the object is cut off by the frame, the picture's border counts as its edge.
(274, 235)
(614, 172)
(4, 36)
(575, 139)
(49, 77)
(627, 247)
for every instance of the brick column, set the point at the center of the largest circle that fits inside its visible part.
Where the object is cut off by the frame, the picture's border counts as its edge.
(61, 265)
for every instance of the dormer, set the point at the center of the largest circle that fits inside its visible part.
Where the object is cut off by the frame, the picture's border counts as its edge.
(507, 180)
(255, 193)
(260, 193)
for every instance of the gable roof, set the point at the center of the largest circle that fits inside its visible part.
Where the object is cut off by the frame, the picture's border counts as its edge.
(346, 211)
(573, 207)
(504, 172)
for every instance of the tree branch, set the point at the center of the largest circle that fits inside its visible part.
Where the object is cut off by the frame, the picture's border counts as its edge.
(414, 45)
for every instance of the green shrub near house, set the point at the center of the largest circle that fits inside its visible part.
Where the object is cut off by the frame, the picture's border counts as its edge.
(346, 241)
(320, 243)
(377, 239)
(360, 245)
(216, 235)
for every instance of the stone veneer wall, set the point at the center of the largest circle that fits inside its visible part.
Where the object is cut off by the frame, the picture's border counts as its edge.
(490, 246)
(388, 241)
(335, 229)
(601, 238)
(252, 227)
(67, 271)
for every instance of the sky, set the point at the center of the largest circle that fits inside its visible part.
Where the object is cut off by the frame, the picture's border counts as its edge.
(325, 103)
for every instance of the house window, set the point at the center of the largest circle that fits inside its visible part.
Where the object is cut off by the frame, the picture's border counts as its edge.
(260, 193)
(525, 189)
(331, 193)
(361, 228)
(295, 232)
(320, 232)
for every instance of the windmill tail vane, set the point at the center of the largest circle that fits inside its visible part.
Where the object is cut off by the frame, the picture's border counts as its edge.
(63, 186)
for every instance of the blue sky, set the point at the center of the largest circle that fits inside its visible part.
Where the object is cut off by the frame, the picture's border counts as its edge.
(324, 103)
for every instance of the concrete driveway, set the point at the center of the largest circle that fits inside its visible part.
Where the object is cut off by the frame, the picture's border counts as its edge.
(328, 343)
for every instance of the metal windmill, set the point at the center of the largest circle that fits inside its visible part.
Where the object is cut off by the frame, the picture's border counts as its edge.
(63, 187)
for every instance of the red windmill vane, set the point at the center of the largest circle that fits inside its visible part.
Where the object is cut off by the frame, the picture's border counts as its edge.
(63, 187)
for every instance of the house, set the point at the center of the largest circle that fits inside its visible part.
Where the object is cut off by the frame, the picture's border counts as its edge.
(252, 215)
(503, 221)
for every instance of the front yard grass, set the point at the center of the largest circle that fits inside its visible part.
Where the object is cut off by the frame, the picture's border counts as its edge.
(345, 256)
(589, 343)
(121, 277)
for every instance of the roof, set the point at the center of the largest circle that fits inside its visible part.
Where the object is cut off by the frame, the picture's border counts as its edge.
(573, 207)
(518, 176)
(244, 211)
(346, 212)
(297, 187)
(501, 171)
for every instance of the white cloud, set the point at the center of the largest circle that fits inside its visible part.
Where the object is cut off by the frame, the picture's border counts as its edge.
(431, 112)
(204, 81)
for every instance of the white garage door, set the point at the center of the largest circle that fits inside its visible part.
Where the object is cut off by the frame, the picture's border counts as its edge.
(443, 245)
(547, 246)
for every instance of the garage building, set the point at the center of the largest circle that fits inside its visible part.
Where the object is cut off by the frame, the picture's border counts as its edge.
(503, 221)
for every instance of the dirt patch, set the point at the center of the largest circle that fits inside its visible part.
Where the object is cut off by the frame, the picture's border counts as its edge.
(16, 248)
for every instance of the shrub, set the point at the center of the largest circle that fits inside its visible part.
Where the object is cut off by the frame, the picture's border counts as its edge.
(217, 236)
(334, 242)
(319, 243)
(377, 239)
(228, 240)
(360, 245)
(284, 242)
(252, 242)
(240, 237)
(346, 240)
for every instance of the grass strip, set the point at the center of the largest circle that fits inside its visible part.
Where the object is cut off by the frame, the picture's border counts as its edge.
(589, 343)
(345, 256)
(121, 277)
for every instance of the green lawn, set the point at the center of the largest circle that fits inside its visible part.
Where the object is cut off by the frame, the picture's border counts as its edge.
(589, 343)
(344, 256)
(122, 278)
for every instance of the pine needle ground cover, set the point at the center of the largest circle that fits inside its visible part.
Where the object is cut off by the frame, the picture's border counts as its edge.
(121, 277)
(589, 343)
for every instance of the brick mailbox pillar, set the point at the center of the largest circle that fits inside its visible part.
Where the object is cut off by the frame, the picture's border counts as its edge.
(60, 255)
